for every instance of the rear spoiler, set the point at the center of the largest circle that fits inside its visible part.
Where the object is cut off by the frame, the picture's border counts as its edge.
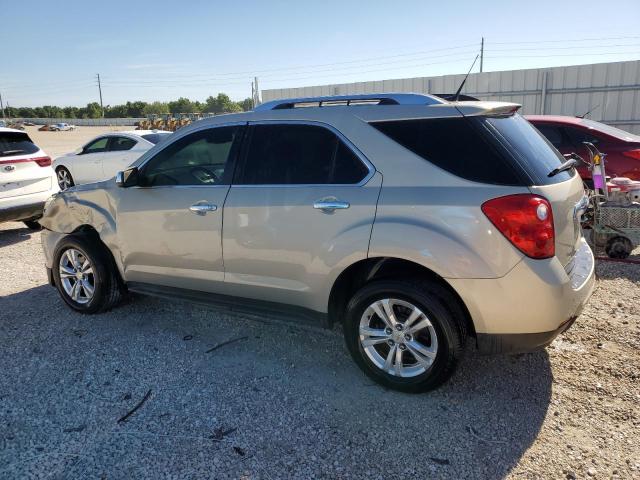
(487, 109)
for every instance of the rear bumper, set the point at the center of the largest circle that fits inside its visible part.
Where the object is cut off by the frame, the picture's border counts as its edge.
(21, 212)
(519, 342)
(527, 308)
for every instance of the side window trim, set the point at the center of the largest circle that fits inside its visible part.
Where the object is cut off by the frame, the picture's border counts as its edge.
(247, 141)
(231, 162)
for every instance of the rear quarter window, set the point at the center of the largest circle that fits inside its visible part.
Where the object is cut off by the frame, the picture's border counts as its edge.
(16, 143)
(455, 145)
(492, 150)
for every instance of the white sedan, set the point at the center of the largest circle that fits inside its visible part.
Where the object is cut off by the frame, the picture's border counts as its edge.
(104, 156)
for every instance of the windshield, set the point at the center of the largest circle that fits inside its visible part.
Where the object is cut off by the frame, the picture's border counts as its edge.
(534, 152)
(609, 130)
(16, 143)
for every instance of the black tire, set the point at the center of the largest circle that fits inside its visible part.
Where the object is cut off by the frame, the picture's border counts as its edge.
(441, 308)
(68, 174)
(619, 247)
(108, 291)
(32, 225)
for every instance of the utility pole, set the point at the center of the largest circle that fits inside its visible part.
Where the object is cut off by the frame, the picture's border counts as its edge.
(253, 96)
(481, 54)
(2, 107)
(100, 91)
(256, 102)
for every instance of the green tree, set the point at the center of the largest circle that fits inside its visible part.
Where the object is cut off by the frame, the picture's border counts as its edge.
(156, 108)
(246, 104)
(221, 104)
(93, 110)
(135, 109)
(116, 111)
(182, 105)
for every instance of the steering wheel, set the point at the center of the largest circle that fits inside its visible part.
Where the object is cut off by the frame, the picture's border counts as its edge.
(204, 175)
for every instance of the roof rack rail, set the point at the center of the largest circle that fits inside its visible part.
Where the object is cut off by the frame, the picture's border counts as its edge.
(380, 98)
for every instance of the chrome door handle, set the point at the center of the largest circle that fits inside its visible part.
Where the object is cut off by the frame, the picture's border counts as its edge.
(201, 208)
(330, 205)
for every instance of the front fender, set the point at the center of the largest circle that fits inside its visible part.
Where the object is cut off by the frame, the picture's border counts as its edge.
(80, 207)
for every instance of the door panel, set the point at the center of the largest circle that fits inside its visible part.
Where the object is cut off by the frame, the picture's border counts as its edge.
(114, 162)
(87, 168)
(170, 225)
(278, 247)
(164, 242)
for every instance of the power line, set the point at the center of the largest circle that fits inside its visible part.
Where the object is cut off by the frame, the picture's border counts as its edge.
(564, 40)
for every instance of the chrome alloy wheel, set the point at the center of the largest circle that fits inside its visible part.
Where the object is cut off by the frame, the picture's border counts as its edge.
(398, 337)
(76, 276)
(64, 179)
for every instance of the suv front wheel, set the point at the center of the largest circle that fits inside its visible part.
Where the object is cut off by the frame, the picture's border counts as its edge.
(85, 275)
(405, 335)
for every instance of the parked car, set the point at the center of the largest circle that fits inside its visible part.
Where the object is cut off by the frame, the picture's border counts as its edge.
(104, 156)
(567, 134)
(61, 127)
(417, 223)
(26, 178)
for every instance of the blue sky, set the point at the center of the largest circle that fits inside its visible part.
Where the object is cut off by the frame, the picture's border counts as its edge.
(165, 49)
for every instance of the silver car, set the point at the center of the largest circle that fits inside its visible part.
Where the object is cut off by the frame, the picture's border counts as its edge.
(417, 223)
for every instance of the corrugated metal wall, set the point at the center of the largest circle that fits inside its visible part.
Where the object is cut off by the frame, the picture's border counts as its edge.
(613, 87)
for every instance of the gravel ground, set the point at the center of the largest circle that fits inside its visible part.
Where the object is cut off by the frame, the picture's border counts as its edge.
(286, 401)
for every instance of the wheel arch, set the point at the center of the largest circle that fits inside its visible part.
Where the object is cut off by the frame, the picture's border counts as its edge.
(89, 231)
(359, 273)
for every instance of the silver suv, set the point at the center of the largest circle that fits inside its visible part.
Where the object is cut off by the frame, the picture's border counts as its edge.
(416, 223)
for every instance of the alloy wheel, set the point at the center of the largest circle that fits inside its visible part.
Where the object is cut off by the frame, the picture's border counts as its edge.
(398, 337)
(64, 179)
(76, 276)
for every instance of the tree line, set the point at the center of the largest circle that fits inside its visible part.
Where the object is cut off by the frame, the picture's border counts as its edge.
(218, 104)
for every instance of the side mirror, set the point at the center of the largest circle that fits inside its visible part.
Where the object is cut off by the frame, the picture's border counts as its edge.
(127, 178)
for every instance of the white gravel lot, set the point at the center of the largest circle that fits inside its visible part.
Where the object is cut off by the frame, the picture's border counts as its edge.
(286, 401)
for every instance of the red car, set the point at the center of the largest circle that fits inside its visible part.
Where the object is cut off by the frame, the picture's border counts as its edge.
(567, 134)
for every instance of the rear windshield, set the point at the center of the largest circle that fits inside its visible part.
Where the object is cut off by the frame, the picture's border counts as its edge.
(493, 150)
(155, 137)
(16, 143)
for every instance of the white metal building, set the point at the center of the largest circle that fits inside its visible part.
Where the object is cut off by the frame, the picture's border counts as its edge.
(612, 90)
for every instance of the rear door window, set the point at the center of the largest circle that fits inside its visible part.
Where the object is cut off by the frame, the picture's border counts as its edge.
(299, 154)
(119, 144)
(16, 143)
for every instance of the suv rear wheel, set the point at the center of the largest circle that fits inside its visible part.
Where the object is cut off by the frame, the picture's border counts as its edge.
(403, 335)
(85, 275)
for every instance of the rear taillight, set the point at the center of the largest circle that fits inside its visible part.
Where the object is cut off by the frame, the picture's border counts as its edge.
(43, 161)
(635, 154)
(526, 221)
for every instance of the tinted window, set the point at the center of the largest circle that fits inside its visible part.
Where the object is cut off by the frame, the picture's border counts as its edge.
(121, 143)
(155, 137)
(529, 147)
(553, 134)
(197, 159)
(299, 154)
(455, 145)
(578, 136)
(99, 145)
(16, 143)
